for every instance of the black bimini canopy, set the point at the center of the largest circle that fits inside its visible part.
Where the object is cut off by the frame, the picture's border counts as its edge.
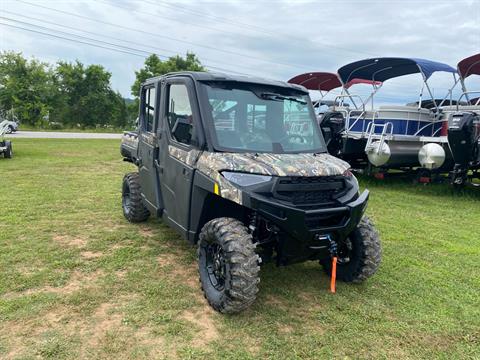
(381, 69)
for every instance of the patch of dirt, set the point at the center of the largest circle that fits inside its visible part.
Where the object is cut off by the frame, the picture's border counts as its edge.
(314, 302)
(120, 274)
(146, 232)
(77, 281)
(275, 302)
(91, 254)
(66, 240)
(117, 246)
(105, 319)
(29, 270)
(91, 331)
(155, 342)
(253, 346)
(184, 273)
(116, 227)
(202, 319)
(285, 329)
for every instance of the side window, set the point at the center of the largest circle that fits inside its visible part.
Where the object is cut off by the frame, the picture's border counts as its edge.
(180, 119)
(149, 110)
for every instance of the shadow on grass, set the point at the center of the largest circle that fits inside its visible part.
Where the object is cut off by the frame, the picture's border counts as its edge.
(408, 184)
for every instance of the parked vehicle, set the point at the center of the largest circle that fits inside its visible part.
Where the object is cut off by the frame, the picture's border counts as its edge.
(392, 137)
(12, 126)
(238, 166)
(464, 126)
(5, 145)
(12, 122)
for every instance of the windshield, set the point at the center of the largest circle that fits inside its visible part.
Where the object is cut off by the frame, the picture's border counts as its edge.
(250, 118)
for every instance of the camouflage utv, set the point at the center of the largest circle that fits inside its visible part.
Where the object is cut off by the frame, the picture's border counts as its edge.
(238, 166)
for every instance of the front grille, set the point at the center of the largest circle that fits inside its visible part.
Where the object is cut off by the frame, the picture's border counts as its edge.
(308, 197)
(319, 221)
(318, 190)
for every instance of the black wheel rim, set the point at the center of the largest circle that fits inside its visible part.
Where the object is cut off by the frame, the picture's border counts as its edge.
(126, 201)
(215, 263)
(345, 252)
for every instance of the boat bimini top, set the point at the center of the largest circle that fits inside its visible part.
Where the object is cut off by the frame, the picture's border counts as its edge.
(466, 67)
(395, 120)
(382, 69)
(324, 82)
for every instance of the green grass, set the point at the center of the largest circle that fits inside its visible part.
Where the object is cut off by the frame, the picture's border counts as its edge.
(24, 127)
(78, 281)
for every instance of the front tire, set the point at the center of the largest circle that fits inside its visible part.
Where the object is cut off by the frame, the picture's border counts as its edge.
(133, 207)
(228, 265)
(359, 256)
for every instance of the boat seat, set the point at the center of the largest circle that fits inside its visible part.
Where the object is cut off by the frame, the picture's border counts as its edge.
(404, 108)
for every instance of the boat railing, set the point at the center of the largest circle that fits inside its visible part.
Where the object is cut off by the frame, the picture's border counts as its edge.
(465, 94)
(386, 130)
(351, 96)
(432, 125)
(348, 114)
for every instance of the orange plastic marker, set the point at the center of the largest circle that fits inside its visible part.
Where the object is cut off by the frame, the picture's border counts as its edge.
(334, 275)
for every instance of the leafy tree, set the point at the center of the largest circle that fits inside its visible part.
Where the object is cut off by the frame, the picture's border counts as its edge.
(73, 94)
(26, 86)
(155, 67)
(87, 98)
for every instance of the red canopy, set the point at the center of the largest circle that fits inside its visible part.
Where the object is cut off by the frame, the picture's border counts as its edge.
(325, 81)
(317, 81)
(362, 81)
(469, 66)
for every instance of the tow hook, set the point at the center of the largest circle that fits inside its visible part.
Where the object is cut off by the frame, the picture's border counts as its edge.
(333, 254)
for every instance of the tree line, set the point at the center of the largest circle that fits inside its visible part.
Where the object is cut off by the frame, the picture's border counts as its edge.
(71, 94)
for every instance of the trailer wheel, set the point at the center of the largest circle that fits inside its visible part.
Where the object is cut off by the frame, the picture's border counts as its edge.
(133, 207)
(359, 256)
(9, 150)
(228, 265)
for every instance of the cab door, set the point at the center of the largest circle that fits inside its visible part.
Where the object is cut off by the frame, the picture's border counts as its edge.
(180, 142)
(148, 145)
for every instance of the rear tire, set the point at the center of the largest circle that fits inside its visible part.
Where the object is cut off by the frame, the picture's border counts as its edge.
(9, 151)
(133, 207)
(361, 258)
(9, 130)
(228, 265)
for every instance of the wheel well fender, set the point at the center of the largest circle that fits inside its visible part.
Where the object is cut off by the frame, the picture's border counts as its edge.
(205, 206)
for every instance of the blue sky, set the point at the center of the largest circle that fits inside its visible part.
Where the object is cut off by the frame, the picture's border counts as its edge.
(274, 39)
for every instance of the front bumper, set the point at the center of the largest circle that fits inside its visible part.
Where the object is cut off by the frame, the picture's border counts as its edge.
(304, 233)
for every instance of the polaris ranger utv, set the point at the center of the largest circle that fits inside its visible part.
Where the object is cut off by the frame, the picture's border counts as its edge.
(238, 166)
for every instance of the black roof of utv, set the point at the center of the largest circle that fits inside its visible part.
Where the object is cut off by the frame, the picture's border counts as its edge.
(212, 76)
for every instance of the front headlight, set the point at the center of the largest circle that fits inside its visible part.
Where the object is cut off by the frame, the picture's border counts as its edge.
(243, 179)
(349, 175)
